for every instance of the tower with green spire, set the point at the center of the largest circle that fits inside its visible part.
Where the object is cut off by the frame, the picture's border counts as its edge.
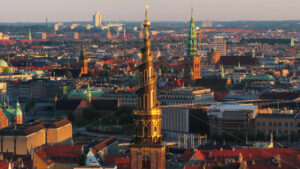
(192, 60)
(253, 53)
(192, 38)
(18, 114)
(29, 35)
(292, 46)
(89, 94)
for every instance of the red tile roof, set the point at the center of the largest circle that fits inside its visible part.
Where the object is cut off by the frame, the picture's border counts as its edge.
(60, 153)
(4, 164)
(254, 157)
(105, 143)
(60, 123)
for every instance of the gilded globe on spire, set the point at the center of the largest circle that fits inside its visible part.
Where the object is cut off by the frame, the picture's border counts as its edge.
(146, 22)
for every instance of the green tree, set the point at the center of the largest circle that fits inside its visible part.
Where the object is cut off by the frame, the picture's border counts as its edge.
(5, 70)
(219, 165)
(90, 114)
(68, 74)
(82, 159)
(29, 105)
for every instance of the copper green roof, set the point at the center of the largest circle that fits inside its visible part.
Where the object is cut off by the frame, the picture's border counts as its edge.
(192, 39)
(292, 44)
(18, 110)
(260, 78)
(3, 63)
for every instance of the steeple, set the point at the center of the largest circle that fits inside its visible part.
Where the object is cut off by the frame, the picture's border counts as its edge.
(253, 53)
(18, 114)
(192, 38)
(83, 61)
(89, 95)
(82, 52)
(292, 44)
(147, 137)
(29, 35)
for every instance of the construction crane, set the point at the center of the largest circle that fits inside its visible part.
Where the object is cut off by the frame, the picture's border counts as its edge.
(200, 34)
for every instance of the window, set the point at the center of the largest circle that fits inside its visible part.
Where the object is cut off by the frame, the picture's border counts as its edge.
(139, 102)
(258, 124)
(274, 124)
(279, 124)
(270, 123)
(146, 101)
(286, 132)
(263, 123)
(286, 124)
(151, 98)
(291, 124)
(145, 75)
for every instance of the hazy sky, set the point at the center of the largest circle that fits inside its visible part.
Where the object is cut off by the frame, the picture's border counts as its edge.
(160, 10)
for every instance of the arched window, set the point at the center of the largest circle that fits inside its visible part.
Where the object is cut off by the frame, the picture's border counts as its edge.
(139, 103)
(145, 75)
(146, 101)
(145, 131)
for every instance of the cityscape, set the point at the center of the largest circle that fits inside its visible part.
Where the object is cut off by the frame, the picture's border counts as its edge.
(199, 93)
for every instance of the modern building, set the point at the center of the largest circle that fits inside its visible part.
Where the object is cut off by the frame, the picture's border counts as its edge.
(147, 150)
(231, 117)
(97, 19)
(220, 44)
(186, 95)
(207, 24)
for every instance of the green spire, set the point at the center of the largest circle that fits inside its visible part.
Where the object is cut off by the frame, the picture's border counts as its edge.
(159, 72)
(29, 35)
(18, 110)
(253, 53)
(292, 44)
(191, 71)
(192, 38)
(239, 65)
(222, 72)
(65, 90)
(89, 95)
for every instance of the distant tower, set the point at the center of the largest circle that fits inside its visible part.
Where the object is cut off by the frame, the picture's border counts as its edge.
(89, 94)
(213, 57)
(192, 60)
(292, 46)
(29, 35)
(147, 151)
(253, 55)
(18, 114)
(83, 61)
(97, 19)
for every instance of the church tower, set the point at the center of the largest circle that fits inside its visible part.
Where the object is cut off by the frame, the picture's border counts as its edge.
(83, 62)
(192, 60)
(292, 47)
(18, 114)
(147, 150)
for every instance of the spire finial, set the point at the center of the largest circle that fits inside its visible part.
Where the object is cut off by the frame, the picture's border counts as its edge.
(192, 14)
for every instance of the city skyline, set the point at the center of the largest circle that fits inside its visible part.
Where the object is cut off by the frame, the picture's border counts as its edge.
(120, 10)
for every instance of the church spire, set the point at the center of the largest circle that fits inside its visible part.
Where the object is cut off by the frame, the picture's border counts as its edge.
(292, 44)
(29, 35)
(192, 38)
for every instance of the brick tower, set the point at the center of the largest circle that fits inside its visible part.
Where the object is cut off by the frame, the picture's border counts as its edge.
(192, 60)
(83, 62)
(147, 150)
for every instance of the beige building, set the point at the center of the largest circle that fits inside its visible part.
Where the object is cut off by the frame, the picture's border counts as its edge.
(277, 123)
(21, 139)
(220, 44)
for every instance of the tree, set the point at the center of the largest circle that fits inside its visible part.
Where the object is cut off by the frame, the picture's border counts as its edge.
(82, 159)
(90, 114)
(68, 74)
(219, 165)
(5, 70)
(29, 105)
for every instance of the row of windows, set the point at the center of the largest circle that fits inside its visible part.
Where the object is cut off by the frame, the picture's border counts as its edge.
(279, 124)
(280, 132)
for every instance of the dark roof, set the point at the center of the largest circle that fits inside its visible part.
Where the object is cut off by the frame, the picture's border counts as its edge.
(60, 123)
(105, 104)
(67, 104)
(277, 115)
(105, 143)
(34, 129)
(61, 72)
(235, 60)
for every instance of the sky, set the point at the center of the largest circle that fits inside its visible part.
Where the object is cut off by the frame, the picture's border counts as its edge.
(160, 10)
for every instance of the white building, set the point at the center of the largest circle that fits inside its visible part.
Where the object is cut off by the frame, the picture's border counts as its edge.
(97, 19)
(186, 95)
